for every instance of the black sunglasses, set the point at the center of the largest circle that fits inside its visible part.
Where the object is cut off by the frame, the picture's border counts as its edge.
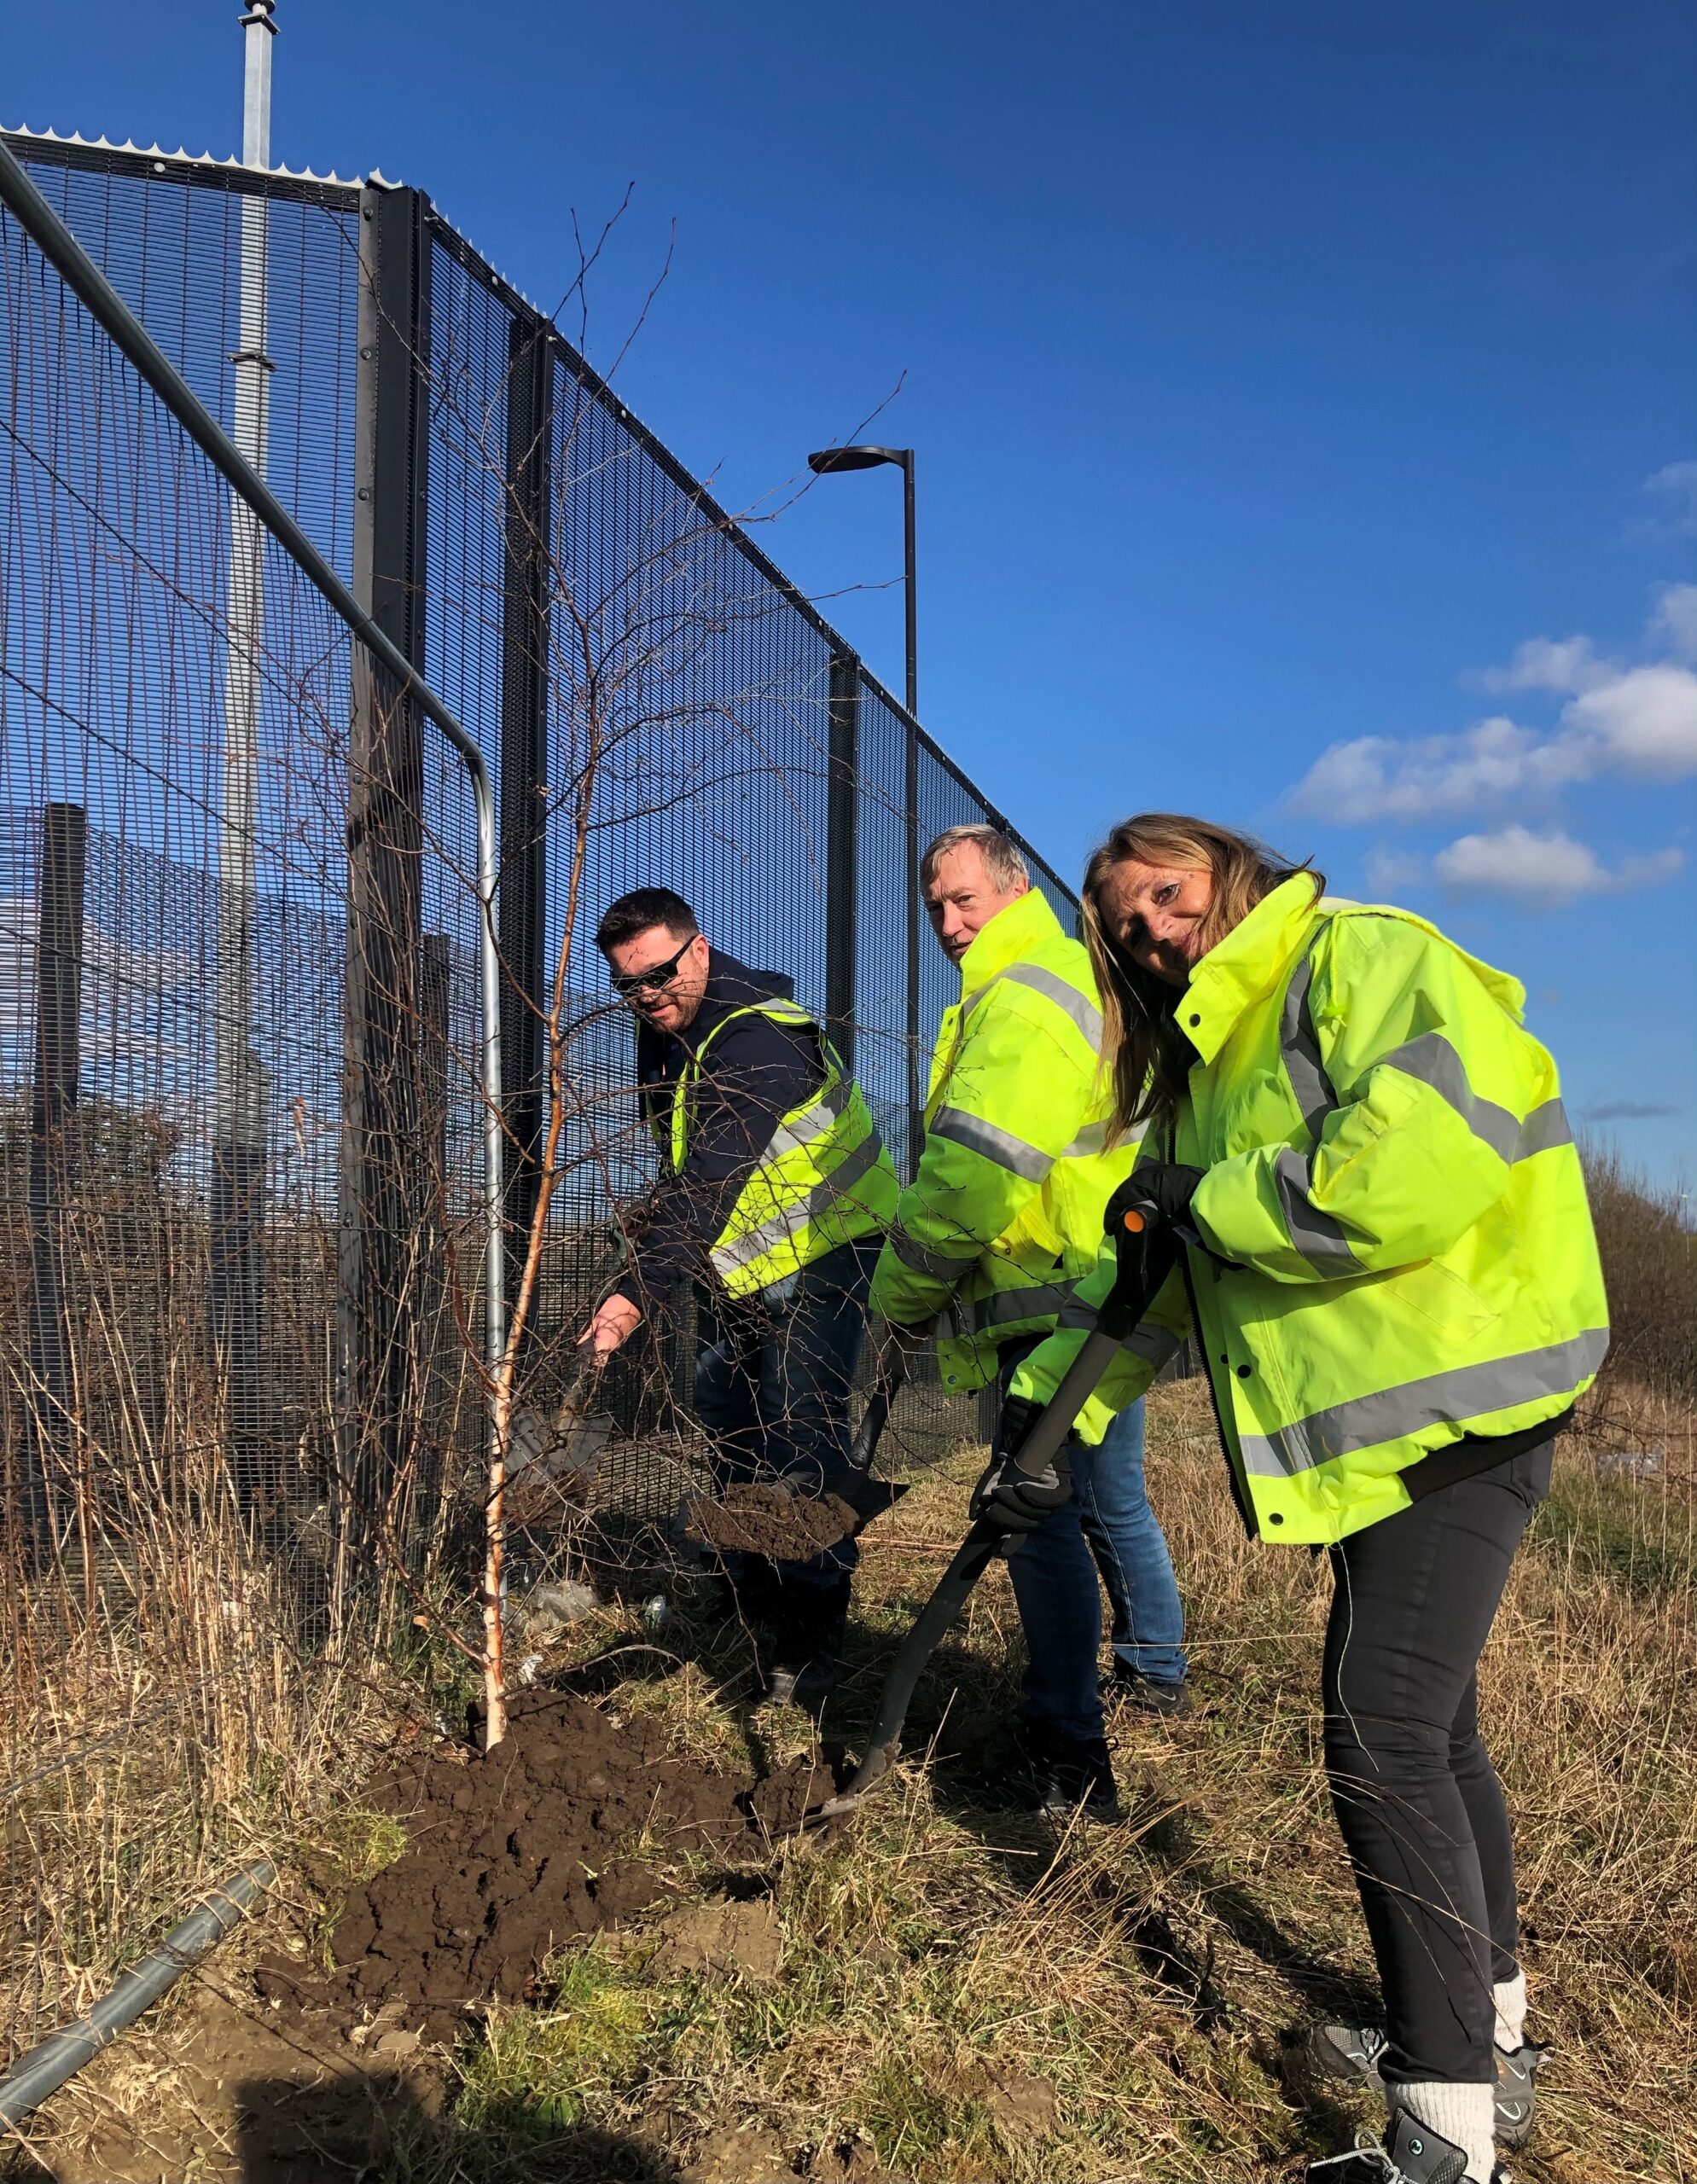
(656, 976)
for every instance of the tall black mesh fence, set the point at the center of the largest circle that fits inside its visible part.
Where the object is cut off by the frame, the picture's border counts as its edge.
(242, 1195)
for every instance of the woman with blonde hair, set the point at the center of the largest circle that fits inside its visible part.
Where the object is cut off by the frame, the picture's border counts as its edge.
(1389, 1266)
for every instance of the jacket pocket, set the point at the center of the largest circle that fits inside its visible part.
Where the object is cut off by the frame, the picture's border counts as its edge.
(1441, 1297)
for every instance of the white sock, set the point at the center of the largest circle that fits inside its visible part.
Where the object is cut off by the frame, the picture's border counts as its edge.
(1510, 1998)
(1461, 2113)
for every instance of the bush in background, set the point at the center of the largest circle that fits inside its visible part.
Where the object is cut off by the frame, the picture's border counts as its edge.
(1649, 1256)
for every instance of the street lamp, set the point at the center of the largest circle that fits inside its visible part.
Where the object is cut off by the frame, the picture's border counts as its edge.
(821, 463)
(827, 459)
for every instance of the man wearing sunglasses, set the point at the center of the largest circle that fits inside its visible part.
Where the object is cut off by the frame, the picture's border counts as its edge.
(774, 1196)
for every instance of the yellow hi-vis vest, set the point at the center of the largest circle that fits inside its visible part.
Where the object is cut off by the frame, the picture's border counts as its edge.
(1399, 1246)
(1004, 1213)
(822, 1179)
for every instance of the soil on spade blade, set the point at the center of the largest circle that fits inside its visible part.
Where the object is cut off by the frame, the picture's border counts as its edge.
(515, 1851)
(765, 1520)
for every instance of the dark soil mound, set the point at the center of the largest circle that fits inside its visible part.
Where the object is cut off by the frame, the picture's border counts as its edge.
(515, 1851)
(765, 1520)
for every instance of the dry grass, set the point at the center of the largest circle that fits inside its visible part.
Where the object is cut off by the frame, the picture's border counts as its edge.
(962, 1997)
(167, 1720)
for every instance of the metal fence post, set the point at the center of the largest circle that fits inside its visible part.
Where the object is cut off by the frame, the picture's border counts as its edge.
(438, 1335)
(52, 1162)
(524, 767)
(842, 819)
(382, 1233)
(915, 1079)
(238, 1178)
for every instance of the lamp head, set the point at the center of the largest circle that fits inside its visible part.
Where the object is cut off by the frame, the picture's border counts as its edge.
(854, 458)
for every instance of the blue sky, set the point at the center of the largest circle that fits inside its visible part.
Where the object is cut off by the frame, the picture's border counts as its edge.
(1303, 396)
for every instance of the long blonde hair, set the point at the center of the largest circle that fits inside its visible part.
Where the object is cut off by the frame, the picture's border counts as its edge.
(1145, 1055)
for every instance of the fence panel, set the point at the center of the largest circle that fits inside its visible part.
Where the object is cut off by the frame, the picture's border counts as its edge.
(241, 1189)
(192, 1515)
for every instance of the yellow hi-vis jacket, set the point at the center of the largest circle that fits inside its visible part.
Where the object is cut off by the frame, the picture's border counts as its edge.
(1003, 1216)
(1400, 1250)
(823, 1178)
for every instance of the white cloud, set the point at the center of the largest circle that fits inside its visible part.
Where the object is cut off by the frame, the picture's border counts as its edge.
(1546, 663)
(1491, 762)
(1675, 620)
(1639, 721)
(1674, 488)
(1389, 872)
(1542, 871)
(1642, 724)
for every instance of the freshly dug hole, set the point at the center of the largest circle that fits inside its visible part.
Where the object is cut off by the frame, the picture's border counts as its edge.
(519, 1849)
(764, 1520)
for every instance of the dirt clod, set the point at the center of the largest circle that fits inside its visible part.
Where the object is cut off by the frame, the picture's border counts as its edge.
(564, 1828)
(721, 1938)
(765, 1520)
(751, 2157)
(1023, 2106)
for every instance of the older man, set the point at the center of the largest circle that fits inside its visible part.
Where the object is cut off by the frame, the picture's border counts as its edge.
(774, 1193)
(1002, 1217)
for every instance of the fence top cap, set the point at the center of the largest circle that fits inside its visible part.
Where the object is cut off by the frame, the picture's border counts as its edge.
(180, 157)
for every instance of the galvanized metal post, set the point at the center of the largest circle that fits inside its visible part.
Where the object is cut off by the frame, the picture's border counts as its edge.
(238, 1170)
(914, 1075)
(524, 767)
(52, 1168)
(382, 1382)
(842, 879)
(438, 1335)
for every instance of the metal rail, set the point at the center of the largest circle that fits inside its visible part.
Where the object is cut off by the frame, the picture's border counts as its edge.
(34, 2076)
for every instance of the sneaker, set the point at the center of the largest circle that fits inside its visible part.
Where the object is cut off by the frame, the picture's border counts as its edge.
(1409, 2153)
(1145, 1694)
(1067, 1772)
(1348, 2051)
(1517, 2093)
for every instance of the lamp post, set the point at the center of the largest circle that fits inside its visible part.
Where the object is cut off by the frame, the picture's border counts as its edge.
(827, 459)
(821, 463)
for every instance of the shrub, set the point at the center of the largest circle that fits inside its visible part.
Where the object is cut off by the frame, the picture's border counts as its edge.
(1649, 1256)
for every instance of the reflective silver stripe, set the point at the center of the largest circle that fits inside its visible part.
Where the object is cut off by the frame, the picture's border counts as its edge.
(1154, 1343)
(1444, 1399)
(992, 1141)
(1087, 1144)
(743, 1251)
(812, 1123)
(1084, 1012)
(1432, 1061)
(1545, 1126)
(943, 1266)
(1042, 1301)
(1300, 1047)
(1316, 1235)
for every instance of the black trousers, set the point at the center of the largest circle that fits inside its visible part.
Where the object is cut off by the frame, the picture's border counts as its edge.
(1413, 1787)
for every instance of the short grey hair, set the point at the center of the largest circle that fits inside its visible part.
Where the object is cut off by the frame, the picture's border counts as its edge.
(1001, 854)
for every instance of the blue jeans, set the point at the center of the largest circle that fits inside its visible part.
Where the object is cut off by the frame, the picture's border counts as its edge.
(1109, 1527)
(772, 1382)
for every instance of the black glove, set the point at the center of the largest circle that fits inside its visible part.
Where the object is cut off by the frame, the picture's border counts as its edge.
(1166, 1185)
(1011, 1499)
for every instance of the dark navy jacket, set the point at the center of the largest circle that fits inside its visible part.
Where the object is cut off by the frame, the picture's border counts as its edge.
(757, 1071)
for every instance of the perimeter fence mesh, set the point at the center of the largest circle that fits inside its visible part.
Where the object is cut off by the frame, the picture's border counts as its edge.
(242, 1200)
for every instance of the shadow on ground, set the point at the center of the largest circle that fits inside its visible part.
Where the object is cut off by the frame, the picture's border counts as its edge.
(376, 2130)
